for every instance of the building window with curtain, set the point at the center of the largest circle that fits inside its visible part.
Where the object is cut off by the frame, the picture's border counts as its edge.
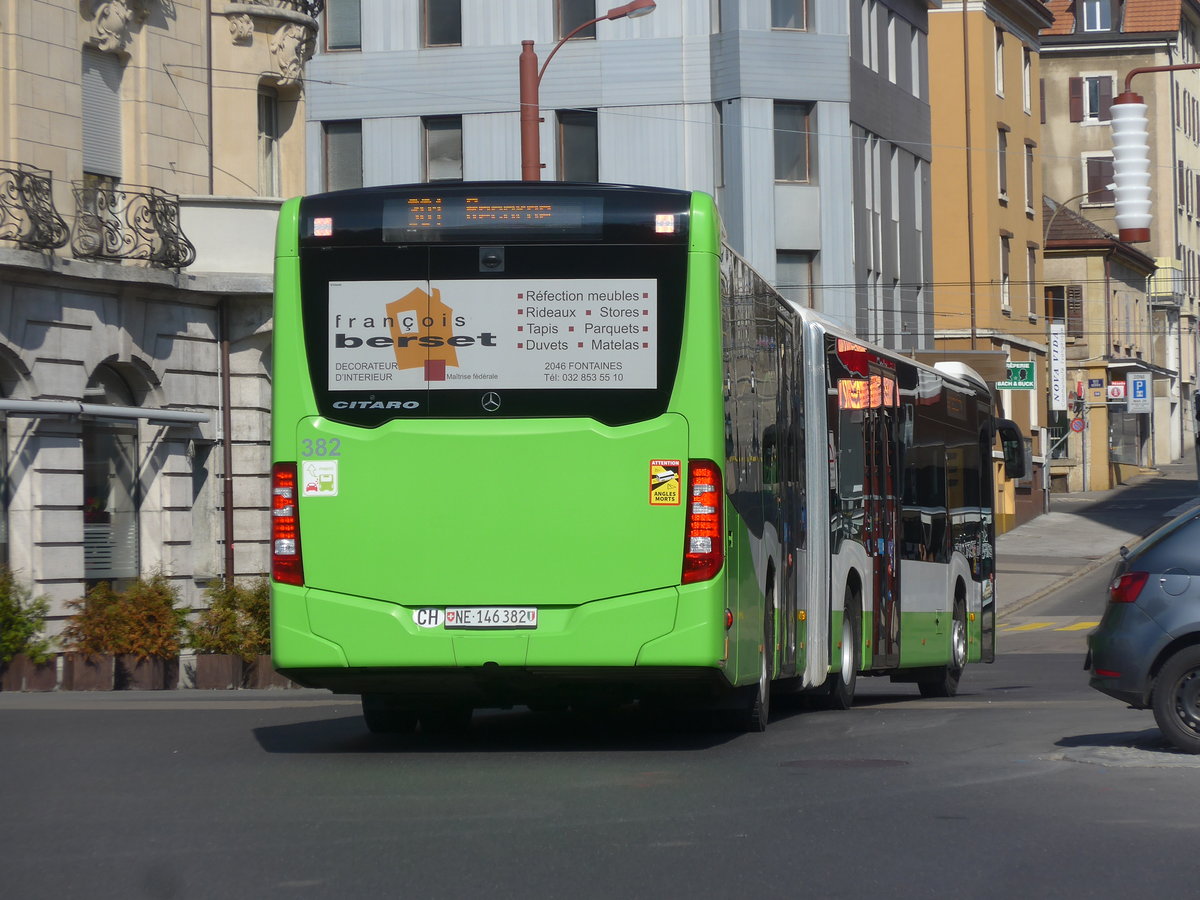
(111, 495)
(343, 25)
(1097, 15)
(794, 275)
(268, 142)
(570, 14)
(789, 14)
(443, 148)
(793, 124)
(578, 145)
(1000, 62)
(343, 157)
(1005, 273)
(1002, 161)
(443, 22)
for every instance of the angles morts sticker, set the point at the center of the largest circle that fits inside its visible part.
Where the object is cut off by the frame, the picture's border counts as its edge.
(664, 482)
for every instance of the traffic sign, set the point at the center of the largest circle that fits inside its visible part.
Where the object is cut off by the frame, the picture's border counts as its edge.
(1077, 425)
(1138, 399)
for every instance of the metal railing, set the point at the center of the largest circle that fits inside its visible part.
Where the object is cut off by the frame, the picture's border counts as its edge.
(310, 8)
(27, 213)
(1057, 438)
(129, 222)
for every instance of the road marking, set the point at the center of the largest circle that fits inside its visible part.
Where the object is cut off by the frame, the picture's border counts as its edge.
(1078, 626)
(1055, 623)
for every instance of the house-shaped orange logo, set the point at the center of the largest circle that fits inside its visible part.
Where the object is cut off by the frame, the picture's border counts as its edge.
(421, 326)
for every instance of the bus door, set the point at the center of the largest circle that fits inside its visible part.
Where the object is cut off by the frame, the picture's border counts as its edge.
(791, 486)
(881, 434)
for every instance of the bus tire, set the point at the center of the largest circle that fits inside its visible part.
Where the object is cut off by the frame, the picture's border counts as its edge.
(840, 685)
(943, 682)
(757, 712)
(384, 716)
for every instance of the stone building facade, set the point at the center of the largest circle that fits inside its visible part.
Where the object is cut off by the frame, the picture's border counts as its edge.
(145, 148)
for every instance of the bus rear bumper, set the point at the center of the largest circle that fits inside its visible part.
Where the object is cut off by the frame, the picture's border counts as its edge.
(359, 645)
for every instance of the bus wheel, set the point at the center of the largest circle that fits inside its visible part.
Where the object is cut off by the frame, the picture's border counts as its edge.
(757, 711)
(944, 681)
(384, 716)
(840, 684)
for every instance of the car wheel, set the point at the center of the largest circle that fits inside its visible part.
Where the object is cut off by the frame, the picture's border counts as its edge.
(1177, 700)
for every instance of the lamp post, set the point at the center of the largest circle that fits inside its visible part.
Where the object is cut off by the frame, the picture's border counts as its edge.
(531, 79)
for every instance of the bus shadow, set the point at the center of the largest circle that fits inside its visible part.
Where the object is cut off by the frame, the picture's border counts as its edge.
(512, 731)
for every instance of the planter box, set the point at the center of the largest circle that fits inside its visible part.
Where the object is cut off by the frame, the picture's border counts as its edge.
(218, 671)
(151, 673)
(87, 672)
(261, 674)
(23, 674)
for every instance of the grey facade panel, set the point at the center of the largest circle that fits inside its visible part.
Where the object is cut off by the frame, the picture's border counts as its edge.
(890, 111)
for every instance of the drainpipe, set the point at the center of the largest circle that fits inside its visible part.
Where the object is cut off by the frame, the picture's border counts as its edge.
(226, 440)
(967, 151)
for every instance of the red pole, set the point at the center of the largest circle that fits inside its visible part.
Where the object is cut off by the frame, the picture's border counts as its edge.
(531, 156)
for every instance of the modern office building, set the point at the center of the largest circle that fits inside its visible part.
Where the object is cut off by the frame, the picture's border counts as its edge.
(808, 119)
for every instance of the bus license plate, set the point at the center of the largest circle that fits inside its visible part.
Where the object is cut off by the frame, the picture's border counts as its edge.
(491, 617)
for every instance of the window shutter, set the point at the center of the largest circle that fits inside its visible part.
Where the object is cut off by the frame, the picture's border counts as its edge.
(1075, 310)
(1106, 88)
(1075, 96)
(1042, 98)
(101, 113)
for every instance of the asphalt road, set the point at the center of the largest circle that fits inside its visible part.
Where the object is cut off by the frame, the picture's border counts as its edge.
(1028, 783)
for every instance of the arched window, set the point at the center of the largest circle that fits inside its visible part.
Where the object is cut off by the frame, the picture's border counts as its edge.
(110, 483)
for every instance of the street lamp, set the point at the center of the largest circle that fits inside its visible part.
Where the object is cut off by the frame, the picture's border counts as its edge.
(531, 79)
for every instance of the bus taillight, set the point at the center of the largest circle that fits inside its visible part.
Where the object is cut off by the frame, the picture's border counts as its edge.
(704, 550)
(286, 564)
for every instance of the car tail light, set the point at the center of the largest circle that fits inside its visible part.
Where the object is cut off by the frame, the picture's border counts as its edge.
(1125, 588)
(704, 550)
(286, 565)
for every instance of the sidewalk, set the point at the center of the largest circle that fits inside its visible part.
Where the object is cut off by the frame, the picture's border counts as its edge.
(1084, 531)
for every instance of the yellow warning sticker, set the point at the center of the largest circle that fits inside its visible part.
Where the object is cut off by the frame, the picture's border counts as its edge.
(664, 482)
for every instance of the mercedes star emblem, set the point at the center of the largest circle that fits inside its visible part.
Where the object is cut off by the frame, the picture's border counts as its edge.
(491, 401)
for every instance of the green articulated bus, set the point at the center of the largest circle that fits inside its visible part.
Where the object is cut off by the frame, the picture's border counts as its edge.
(554, 444)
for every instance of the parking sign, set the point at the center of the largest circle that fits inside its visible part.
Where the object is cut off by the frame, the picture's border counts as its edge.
(1137, 392)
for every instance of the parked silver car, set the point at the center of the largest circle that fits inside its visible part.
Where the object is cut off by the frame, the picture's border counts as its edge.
(1146, 650)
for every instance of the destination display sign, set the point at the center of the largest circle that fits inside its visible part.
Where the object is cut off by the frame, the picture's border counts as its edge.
(493, 335)
(431, 217)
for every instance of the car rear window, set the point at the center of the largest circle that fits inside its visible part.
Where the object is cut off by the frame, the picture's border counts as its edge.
(1174, 546)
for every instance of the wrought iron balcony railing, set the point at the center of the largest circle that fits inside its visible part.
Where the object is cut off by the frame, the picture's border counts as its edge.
(310, 8)
(27, 213)
(129, 222)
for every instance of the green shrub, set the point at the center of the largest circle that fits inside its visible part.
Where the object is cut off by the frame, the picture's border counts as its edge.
(237, 621)
(21, 619)
(143, 620)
